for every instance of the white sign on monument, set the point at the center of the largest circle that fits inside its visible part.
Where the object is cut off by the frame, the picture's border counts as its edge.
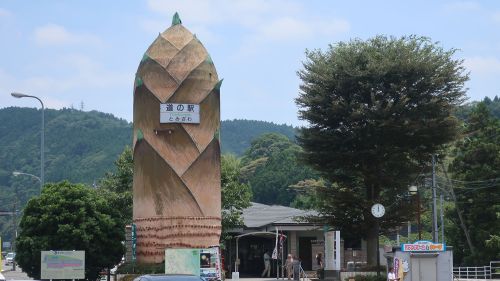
(62, 265)
(180, 113)
(332, 250)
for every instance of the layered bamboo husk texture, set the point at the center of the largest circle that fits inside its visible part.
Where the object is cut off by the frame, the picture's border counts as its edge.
(176, 189)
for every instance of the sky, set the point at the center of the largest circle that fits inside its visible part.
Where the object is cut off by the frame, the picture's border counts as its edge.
(84, 54)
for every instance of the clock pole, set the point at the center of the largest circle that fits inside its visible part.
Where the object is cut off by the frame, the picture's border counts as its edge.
(378, 211)
(378, 247)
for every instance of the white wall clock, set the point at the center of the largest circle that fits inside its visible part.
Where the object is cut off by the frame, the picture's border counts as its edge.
(378, 210)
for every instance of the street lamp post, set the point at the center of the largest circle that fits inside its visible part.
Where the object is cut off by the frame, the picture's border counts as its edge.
(42, 145)
(16, 173)
(414, 191)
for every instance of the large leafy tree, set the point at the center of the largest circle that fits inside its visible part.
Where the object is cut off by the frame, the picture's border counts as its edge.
(271, 166)
(476, 171)
(375, 110)
(235, 194)
(120, 182)
(71, 217)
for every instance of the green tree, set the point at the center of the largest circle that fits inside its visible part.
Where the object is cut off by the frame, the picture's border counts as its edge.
(271, 167)
(120, 182)
(71, 217)
(376, 110)
(235, 194)
(307, 195)
(476, 167)
(493, 106)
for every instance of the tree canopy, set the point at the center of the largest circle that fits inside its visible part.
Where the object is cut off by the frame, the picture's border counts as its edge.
(120, 183)
(235, 195)
(475, 170)
(376, 110)
(271, 166)
(71, 217)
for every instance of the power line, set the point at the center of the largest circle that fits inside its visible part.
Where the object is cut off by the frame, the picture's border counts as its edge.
(470, 182)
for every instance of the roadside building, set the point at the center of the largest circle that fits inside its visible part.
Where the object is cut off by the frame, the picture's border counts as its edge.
(303, 239)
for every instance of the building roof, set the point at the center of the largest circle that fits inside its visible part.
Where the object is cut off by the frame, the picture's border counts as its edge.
(259, 215)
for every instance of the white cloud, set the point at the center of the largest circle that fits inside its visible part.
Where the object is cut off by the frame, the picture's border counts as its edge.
(285, 28)
(496, 17)
(202, 32)
(34, 86)
(271, 20)
(53, 34)
(463, 6)
(483, 65)
(292, 29)
(4, 13)
(243, 12)
(471, 7)
(82, 77)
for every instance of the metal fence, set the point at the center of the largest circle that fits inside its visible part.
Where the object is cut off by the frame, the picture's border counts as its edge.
(495, 269)
(491, 271)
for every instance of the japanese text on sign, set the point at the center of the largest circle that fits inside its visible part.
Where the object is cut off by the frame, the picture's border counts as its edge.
(423, 246)
(179, 113)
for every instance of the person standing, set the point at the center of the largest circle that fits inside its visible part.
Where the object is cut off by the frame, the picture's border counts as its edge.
(289, 266)
(391, 276)
(321, 269)
(296, 268)
(267, 264)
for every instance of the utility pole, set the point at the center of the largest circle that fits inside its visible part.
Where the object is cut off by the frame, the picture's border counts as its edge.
(442, 217)
(459, 213)
(435, 232)
(14, 220)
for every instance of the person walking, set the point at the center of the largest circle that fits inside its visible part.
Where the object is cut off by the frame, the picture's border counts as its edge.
(289, 266)
(320, 272)
(296, 268)
(267, 264)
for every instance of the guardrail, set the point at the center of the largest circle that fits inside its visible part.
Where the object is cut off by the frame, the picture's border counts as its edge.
(491, 271)
(495, 269)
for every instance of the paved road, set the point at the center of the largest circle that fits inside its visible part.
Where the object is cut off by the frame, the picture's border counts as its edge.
(14, 275)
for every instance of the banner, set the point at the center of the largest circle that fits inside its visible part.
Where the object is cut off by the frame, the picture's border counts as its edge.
(275, 251)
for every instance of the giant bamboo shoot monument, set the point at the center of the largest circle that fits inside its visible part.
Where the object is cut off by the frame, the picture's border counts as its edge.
(176, 189)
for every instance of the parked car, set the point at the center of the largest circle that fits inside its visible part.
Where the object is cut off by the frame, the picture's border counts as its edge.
(9, 258)
(168, 277)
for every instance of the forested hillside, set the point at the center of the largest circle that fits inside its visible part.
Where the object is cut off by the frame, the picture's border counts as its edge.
(81, 146)
(237, 135)
(493, 105)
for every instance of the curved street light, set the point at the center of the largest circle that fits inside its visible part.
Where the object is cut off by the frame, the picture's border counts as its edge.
(16, 173)
(41, 178)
